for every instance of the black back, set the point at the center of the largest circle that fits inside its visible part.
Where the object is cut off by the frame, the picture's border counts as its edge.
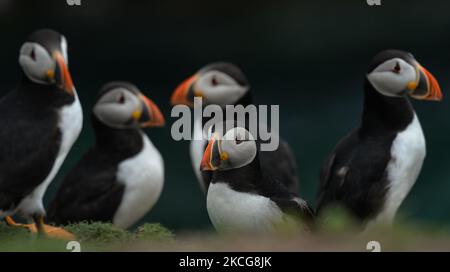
(29, 137)
(90, 191)
(354, 176)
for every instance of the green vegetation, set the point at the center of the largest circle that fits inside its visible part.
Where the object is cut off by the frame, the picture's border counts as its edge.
(153, 232)
(335, 231)
(92, 236)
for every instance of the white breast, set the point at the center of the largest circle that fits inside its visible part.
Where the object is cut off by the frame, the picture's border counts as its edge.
(232, 211)
(70, 124)
(408, 152)
(143, 177)
(197, 147)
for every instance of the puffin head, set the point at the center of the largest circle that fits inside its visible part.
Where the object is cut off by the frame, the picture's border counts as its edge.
(236, 149)
(396, 73)
(43, 58)
(219, 83)
(122, 105)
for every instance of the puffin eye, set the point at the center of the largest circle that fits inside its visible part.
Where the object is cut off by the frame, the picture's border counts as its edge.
(397, 68)
(33, 55)
(121, 99)
(214, 81)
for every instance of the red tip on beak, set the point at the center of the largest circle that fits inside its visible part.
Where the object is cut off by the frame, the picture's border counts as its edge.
(181, 92)
(434, 91)
(206, 160)
(65, 78)
(156, 118)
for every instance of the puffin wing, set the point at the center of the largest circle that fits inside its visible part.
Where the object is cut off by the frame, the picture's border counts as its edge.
(354, 176)
(287, 201)
(281, 164)
(90, 192)
(296, 207)
(29, 144)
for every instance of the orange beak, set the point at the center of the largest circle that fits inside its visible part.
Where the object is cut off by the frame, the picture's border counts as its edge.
(428, 87)
(181, 94)
(62, 75)
(207, 157)
(150, 116)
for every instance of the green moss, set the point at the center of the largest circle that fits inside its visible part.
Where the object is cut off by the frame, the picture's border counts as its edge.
(153, 232)
(93, 236)
(98, 233)
(33, 244)
(16, 239)
(336, 233)
(12, 233)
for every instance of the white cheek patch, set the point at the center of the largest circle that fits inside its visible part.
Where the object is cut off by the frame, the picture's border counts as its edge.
(226, 92)
(239, 133)
(36, 69)
(388, 83)
(115, 114)
(225, 95)
(239, 154)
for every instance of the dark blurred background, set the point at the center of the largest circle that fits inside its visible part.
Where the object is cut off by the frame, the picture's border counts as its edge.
(307, 56)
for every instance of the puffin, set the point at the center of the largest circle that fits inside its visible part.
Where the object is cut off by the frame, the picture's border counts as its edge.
(40, 120)
(120, 178)
(373, 168)
(222, 84)
(240, 197)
